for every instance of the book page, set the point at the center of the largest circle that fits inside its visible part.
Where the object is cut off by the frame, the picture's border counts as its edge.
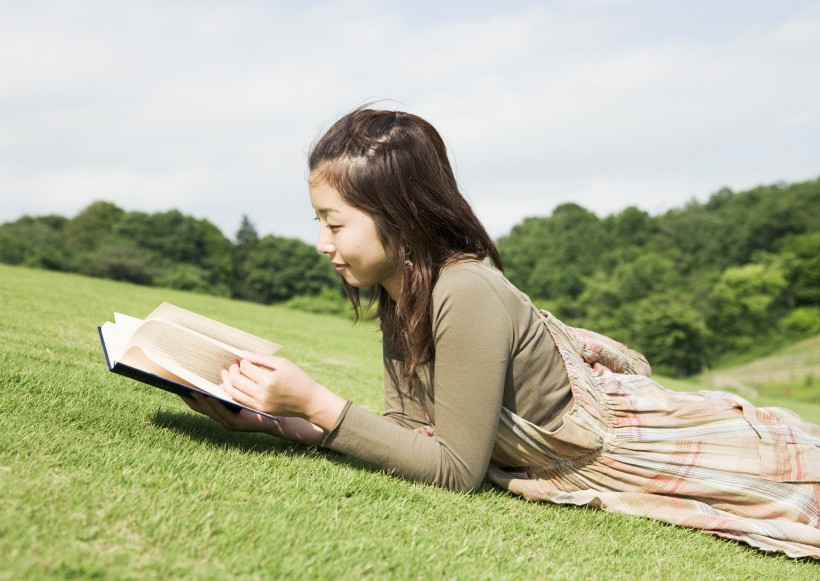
(221, 332)
(112, 342)
(194, 358)
(117, 334)
(136, 358)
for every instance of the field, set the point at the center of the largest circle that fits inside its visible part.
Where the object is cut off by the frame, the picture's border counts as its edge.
(102, 477)
(792, 372)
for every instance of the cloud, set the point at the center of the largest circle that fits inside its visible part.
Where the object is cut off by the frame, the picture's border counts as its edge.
(210, 107)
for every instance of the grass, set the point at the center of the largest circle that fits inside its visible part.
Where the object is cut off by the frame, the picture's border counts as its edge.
(102, 477)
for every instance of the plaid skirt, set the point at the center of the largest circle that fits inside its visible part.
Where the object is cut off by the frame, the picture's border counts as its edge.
(707, 460)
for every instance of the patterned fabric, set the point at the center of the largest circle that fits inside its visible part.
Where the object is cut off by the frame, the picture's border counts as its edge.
(706, 460)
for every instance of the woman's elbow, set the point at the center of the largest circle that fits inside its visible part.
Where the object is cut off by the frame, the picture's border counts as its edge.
(463, 481)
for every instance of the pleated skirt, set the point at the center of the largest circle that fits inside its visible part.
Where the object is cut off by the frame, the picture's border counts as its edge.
(707, 460)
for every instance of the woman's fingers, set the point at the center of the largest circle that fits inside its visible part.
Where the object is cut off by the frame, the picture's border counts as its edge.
(269, 361)
(242, 389)
(527, 488)
(271, 384)
(207, 406)
(429, 431)
(598, 369)
(253, 372)
(215, 410)
(199, 403)
(257, 385)
(253, 386)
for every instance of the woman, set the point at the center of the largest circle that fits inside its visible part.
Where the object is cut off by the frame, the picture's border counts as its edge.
(479, 383)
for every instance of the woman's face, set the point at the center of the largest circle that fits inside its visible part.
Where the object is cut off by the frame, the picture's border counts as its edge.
(349, 237)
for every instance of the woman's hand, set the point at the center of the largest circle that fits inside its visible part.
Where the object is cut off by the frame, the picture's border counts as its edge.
(278, 387)
(243, 421)
(525, 487)
(429, 431)
(292, 429)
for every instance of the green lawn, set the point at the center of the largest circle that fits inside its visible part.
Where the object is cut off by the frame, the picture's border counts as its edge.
(103, 477)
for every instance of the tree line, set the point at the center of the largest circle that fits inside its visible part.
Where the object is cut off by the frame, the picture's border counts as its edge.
(736, 274)
(169, 249)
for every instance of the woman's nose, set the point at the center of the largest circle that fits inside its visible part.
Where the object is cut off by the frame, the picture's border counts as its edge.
(323, 243)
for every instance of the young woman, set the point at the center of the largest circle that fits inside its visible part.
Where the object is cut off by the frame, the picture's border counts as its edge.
(481, 384)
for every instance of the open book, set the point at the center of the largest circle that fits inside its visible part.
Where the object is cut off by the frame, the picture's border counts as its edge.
(178, 351)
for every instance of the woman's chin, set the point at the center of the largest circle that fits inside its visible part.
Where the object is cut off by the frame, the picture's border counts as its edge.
(351, 280)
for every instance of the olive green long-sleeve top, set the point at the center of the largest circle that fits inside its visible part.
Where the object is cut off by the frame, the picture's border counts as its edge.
(491, 350)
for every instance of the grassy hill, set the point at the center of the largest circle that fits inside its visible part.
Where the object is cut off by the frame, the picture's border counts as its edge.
(104, 477)
(791, 373)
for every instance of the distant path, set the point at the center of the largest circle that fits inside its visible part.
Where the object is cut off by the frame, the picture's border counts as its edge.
(727, 381)
(779, 369)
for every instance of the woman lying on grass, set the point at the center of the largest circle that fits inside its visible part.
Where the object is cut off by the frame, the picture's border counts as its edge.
(480, 383)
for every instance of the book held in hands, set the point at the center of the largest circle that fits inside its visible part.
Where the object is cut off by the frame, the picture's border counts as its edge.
(178, 351)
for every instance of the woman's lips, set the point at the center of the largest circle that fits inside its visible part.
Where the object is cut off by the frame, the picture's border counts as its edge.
(339, 267)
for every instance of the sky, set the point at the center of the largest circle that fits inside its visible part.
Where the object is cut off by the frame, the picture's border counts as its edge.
(210, 107)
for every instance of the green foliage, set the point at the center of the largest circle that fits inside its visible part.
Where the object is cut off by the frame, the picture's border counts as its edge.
(171, 250)
(37, 242)
(730, 272)
(281, 268)
(550, 257)
(174, 239)
(191, 278)
(746, 303)
(801, 322)
(672, 334)
(246, 241)
(329, 301)
(246, 236)
(90, 228)
(802, 257)
(123, 260)
(13, 247)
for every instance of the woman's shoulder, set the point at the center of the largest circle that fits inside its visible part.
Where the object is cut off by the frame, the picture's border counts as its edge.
(471, 275)
(476, 290)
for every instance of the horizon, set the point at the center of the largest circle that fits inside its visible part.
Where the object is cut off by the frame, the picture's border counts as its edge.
(231, 235)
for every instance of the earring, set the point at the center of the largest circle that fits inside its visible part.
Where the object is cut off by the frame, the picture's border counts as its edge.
(408, 264)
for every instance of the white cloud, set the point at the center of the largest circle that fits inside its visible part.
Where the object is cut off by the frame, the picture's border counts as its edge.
(210, 107)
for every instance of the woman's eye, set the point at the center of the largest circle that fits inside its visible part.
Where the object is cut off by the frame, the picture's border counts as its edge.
(333, 227)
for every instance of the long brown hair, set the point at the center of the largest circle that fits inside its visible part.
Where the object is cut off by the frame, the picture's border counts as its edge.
(394, 166)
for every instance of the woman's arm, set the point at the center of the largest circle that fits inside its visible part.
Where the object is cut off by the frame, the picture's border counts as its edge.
(401, 402)
(473, 337)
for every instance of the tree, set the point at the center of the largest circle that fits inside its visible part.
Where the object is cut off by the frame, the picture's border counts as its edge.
(90, 228)
(608, 297)
(282, 268)
(247, 240)
(801, 255)
(37, 242)
(630, 230)
(121, 259)
(246, 236)
(670, 333)
(746, 303)
(173, 239)
(550, 257)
